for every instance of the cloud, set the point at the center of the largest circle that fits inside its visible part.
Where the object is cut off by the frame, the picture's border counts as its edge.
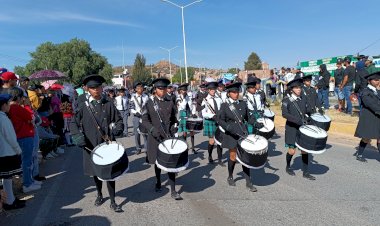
(43, 17)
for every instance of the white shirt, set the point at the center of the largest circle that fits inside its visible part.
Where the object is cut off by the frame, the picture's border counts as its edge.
(222, 96)
(8, 139)
(139, 107)
(372, 88)
(259, 105)
(251, 100)
(183, 101)
(122, 103)
(207, 113)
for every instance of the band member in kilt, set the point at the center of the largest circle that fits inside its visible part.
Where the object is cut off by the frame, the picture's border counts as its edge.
(211, 106)
(294, 110)
(311, 96)
(232, 117)
(89, 133)
(159, 108)
(260, 96)
(138, 108)
(369, 121)
(10, 155)
(252, 106)
(220, 92)
(186, 110)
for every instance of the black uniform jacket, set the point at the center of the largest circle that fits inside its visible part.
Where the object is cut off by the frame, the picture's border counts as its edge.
(311, 97)
(234, 129)
(105, 113)
(151, 121)
(294, 117)
(369, 120)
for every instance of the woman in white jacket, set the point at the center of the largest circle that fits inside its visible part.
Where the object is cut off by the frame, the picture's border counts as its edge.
(10, 155)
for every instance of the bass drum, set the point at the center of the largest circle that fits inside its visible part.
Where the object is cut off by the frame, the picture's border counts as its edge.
(218, 137)
(172, 155)
(110, 161)
(252, 151)
(322, 121)
(194, 124)
(268, 113)
(311, 139)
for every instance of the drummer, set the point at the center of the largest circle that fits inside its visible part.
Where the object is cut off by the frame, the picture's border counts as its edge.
(211, 107)
(160, 108)
(199, 97)
(369, 121)
(105, 112)
(220, 92)
(294, 110)
(260, 96)
(138, 100)
(310, 95)
(235, 129)
(185, 110)
(252, 105)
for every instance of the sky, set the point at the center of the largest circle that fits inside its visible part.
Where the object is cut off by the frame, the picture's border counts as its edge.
(219, 33)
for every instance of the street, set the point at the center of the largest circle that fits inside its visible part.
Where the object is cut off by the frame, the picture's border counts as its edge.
(346, 192)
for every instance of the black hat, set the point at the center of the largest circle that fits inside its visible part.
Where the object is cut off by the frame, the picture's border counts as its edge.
(220, 83)
(307, 77)
(297, 81)
(160, 82)
(339, 61)
(375, 75)
(257, 80)
(347, 59)
(212, 85)
(137, 84)
(361, 57)
(250, 84)
(170, 86)
(233, 87)
(202, 85)
(93, 81)
(183, 86)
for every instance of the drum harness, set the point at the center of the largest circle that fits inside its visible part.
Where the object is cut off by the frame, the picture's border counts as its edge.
(300, 113)
(254, 105)
(233, 109)
(156, 109)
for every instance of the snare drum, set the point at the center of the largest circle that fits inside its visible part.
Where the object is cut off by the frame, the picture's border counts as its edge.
(268, 113)
(172, 155)
(194, 124)
(268, 130)
(252, 151)
(322, 121)
(218, 137)
(311, 139)
(110, 161)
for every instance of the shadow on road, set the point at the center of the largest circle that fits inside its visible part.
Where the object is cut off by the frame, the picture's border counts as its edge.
(314, 166)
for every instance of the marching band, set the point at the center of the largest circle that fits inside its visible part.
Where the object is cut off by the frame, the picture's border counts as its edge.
(241, 124)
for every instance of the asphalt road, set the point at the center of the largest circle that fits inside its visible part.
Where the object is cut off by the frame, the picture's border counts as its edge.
(346, 192)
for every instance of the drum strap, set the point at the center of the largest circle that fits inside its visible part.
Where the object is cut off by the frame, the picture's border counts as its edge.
(138, 103)
(254, 105)
(307, 96)
(296, 106)
(91, 110)
(233, 109)
(210, 107)
(157, 108)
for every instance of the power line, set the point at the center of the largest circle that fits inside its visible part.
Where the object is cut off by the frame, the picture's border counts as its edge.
(373, 43)
(13, 58)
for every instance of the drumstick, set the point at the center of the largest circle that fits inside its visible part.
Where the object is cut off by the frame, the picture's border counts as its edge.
(93, 152)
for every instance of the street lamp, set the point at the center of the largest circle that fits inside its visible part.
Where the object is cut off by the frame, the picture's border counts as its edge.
(170, 65)
(183, 30)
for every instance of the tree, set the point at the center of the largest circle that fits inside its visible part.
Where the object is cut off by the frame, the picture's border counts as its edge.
(253, 62)
(233, 70)
(140, 72)
(190, 74)
(75, 58)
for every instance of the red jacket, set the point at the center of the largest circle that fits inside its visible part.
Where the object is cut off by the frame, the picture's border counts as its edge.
(22, 118)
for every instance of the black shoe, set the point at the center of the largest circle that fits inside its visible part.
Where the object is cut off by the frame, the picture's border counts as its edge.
(194, 151)
(116, 208)
(231, 181)
(39, 178)
(361, 158)
(308, 176)
(210, 160)
(158, 188)
(99, 200)
(290, 171)
(138, 152)
(220, 163)
(251, 187)
(13, 206)
(176, 196)
(20, 201)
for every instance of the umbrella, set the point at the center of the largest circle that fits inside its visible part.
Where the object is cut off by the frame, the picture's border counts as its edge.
(56, 87)
(47, 75)
(48, 83)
